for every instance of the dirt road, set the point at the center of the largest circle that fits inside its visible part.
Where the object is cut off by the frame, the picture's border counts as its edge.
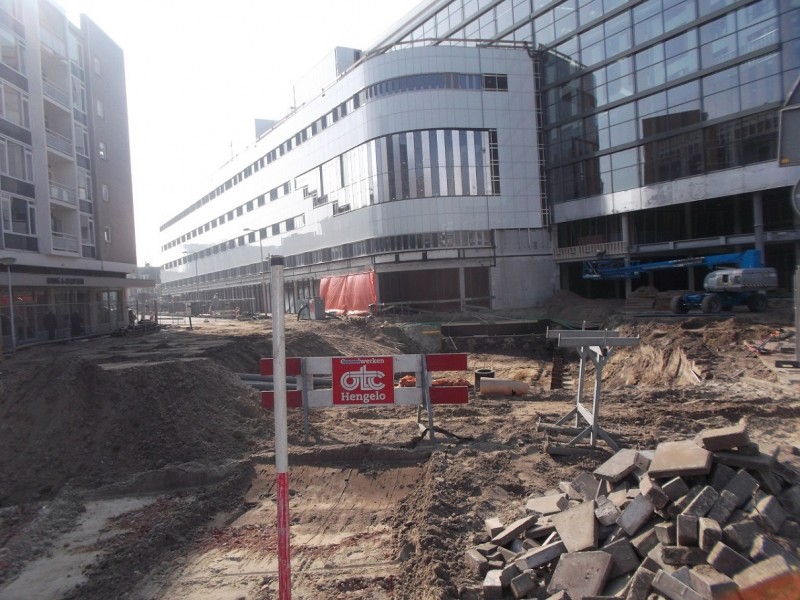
(142, 467)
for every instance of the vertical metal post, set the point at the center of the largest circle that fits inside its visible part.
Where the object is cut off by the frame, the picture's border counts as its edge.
(11, 310)
(426, 393)
(281, 434)
(797, 314)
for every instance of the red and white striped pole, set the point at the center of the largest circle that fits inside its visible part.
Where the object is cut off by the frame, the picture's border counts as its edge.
(281, 444)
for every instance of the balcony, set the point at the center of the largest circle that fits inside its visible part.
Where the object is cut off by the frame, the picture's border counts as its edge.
(63, 194)
(590, 251)
(56, 141)
(65, 242)
(55, 93)
(53, 41)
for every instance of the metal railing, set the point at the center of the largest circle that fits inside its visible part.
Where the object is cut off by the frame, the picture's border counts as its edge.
(590, 251)
(54, 92)
(56, 141)
(65, 242)
(63, 194)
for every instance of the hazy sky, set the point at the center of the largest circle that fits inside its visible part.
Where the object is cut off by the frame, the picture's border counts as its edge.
(200, 71)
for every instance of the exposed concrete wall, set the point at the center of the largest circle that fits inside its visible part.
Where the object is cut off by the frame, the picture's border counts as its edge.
(523, 281)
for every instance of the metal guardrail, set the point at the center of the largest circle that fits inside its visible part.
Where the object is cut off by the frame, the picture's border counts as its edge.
(65, 242)
(590, 251)
(63, 194)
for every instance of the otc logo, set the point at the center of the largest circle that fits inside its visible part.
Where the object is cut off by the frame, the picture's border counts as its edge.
(366, 380)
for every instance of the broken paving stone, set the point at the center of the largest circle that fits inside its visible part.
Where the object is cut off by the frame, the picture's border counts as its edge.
(513, 530)
(477, 563)
(769, 513)
(546, 505)
(741, 534)
(790, 500)
(710, 583)
(492, 585)
(683, 555)
(726, 560)
(667, 534)
(522, 584)
(577, 527)
(743, 486)
(493, 526)
(586, 485)
(640, 585)
(636, 514)
(618, 467)
(708, 533)
(675, 488)
(682, 458)
(540, 556)
(672, 588)
(686, 528)
(723, 508)
(625, 557)
(652, 490)
(645, 541)
(724, 438)
(607, 513)
(581, 574)
(702, 503)
(721, 476)
(761, 462)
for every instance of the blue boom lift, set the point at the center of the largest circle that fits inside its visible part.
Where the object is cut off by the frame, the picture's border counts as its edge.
(742, 280)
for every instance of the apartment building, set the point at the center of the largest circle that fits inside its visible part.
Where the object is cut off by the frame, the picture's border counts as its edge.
(67, 232)
(482, 150)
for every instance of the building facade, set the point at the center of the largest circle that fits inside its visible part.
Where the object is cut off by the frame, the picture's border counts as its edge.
(67, 233)
(483, 149)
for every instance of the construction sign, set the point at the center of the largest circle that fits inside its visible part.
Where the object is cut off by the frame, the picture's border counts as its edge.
(363, 381)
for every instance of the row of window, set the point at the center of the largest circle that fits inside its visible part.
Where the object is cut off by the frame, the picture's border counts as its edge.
(727, 92)
(726, 145)
(368, 247)
(400, 166)
(388, 87)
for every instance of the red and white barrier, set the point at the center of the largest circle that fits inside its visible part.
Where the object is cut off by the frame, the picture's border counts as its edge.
(368, 380)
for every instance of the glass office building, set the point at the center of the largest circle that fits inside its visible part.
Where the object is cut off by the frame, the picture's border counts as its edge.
(480, 151)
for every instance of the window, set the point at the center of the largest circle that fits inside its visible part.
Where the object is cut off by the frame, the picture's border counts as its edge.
(16, 160)
(101, 150)
(100, 109)
(19, 215)
(107, 235)
(98, 66)
(104, 192)
(11, 51)
(14, 106)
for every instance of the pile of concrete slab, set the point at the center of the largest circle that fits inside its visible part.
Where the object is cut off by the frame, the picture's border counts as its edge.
(714, 517)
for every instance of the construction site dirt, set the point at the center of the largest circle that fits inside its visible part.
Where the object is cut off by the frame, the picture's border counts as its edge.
(142, 467)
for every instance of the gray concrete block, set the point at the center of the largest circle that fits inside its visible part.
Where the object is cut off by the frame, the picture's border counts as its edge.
(607, 513)
(721, 476)
(790, 500)
(493, 526)
(653, 491)
(682, 575)
(764, 548)
(723, 438)
(683, 555)
(540, 556)
(702, 503)
(492, 586)
(769, 513)
(645, 540)
(723, 508)
(624, 555)
(477, 563)
(682, 458)
(708, 533)
(507, 574)
(726, 560)
(673, 589)
(740, 535)
(487, 548)
(681, 503)
(587, 485)
(636, 514)
(618, 467)
(640, 585)
(666, 533)
(711, 584)
(743, 486)
(656, 555)
(522, 584)
(577, 527)
(761, 462)
(686, 530)
(581, 574)
(675, 488)
(515, 529)
(546, 505)
(619, 498)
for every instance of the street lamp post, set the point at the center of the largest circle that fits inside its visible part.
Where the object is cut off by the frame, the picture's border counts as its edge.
(7, 261)
(261, 269)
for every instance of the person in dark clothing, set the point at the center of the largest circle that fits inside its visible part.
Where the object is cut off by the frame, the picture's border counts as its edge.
(50, 323)
(76, 324)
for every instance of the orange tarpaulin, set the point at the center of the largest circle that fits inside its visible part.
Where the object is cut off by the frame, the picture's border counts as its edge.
(349, 294)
